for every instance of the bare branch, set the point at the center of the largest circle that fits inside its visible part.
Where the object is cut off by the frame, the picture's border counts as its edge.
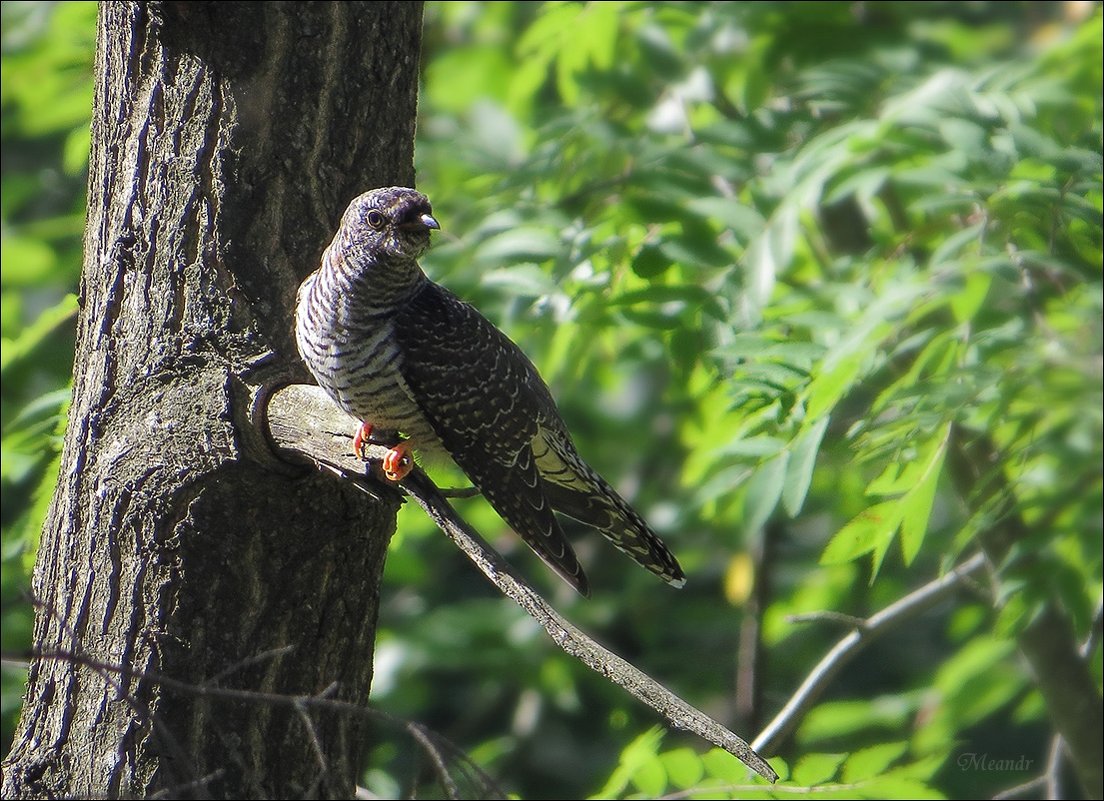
(459, 492)
(1027, 789)
(303, 421)
(850, 621)
(418, 732)
(865, 632)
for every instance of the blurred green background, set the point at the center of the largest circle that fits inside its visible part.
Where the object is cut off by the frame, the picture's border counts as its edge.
(775, 261)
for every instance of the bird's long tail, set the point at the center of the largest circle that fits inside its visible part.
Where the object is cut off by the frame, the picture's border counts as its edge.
(589, 499)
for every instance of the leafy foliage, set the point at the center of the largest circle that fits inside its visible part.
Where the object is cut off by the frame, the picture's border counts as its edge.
(47, 104)
(786, 267)
(879, 771)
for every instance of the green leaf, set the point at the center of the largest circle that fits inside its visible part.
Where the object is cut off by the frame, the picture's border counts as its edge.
(759, 447)
(966, 303)
(526, 280)
(924, 768)
(955, 243)
(459, 77)
(763, 491)
(799, 471)
(869, 762)
(894, 787)
(744, 221)
(650, 262)
(650, 778)
(697, 250)
(684, 767)
(665, 293)
(770, 253)
(828, 387)
(27, 261)
(518, 245)
(816, 769)
(891, 481)
(640, 752)
(50, 320)
(78, 144)
(833, 719)
(719, 764)
(871, 528)
(916, 506)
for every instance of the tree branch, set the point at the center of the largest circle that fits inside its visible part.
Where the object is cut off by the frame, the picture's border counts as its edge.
(865, 632)
(303, 421)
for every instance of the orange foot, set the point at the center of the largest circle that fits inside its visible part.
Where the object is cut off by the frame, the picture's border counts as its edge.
(398, 463)
(360, 441)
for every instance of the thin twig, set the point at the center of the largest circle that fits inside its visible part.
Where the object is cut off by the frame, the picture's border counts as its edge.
(417, 731)
(1053, 774)
(264, 656)
(459, 492)
(848, 648)
(1028, 788)
(828, 616)
(316, 744)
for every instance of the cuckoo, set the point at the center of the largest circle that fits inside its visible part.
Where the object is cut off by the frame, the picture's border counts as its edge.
(404, 356)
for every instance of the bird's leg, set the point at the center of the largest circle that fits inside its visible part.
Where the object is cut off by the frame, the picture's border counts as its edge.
(398, 462)
(360, 441)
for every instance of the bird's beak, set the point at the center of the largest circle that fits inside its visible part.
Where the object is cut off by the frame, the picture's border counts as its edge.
(425, 221)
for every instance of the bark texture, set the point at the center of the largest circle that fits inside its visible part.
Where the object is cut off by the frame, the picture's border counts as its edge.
(179, 551)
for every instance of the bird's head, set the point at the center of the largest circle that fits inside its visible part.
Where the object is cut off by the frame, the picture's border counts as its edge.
(389, 224)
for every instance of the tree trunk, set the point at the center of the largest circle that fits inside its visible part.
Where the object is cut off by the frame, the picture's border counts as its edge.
(180, 557)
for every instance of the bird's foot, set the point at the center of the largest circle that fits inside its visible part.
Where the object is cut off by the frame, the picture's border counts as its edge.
(398, 462)
(360, 441)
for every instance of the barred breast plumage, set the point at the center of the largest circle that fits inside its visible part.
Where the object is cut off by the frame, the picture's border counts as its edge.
(403, 354)
(346, 337)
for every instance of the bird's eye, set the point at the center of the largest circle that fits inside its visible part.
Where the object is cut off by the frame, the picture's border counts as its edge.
(375, 219)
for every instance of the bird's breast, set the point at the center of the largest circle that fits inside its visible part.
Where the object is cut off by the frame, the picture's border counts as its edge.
(356, 358)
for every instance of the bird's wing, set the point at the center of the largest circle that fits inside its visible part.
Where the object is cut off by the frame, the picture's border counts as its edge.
(486, 402)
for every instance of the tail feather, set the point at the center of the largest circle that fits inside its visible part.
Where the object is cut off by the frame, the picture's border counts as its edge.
(603, 508)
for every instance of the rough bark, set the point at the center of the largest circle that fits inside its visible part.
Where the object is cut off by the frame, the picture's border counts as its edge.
(227, 139)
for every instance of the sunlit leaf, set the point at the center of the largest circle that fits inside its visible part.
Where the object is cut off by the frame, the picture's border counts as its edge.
(868, 762)
(683, 766)
(870, 529)
(916, 506)
(815, 769)
(764, 490)
(639, 758)
(32, 336)
(26, 261)
(799, 470)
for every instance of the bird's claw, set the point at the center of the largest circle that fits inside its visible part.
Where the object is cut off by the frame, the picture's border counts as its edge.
(397, 464)
(360, 441)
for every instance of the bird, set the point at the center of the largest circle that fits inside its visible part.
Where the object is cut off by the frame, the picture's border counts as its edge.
(408, 358)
